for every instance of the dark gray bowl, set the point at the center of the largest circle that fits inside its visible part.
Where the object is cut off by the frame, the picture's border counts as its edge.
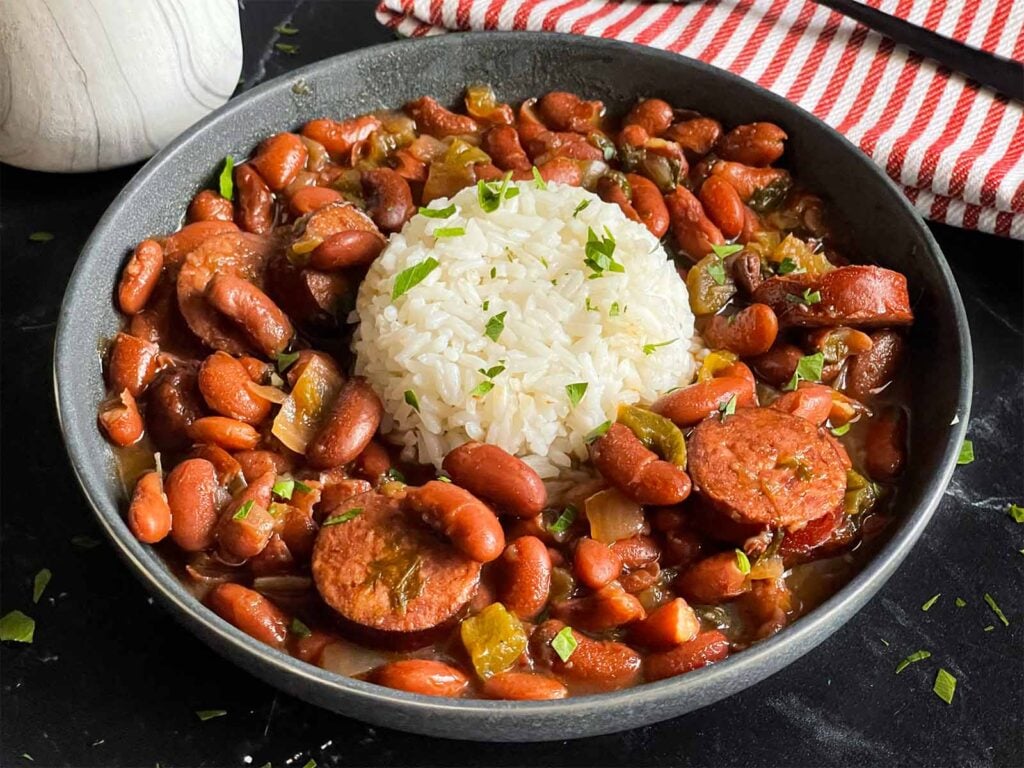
(520, 65)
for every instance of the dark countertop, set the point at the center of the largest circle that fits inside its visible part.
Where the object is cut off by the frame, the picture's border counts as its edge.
(112, 680)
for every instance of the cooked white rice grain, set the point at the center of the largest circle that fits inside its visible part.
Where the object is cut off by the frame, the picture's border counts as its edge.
(562, 326)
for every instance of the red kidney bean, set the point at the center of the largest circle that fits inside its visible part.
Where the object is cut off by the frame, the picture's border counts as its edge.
(388, 199)
(608, 608)
(756, 144)
(777, 365)
(229, 434)
(207, 205)
(373, 463)
(693, 230)
(258, 370)
(871, 370)
(309, 199)
(192, 498)
(433, 119)
(653, 115)
(255, 464)
(423, 676)
(132, 364)
(748, 333)
(469, 523)
(692, 404)
(747, 180)
(885, 446)
(562, 111)
(254, 311)
(669, 625)
(523, 686)
(497, 476)
(723, 206)
(339, 137)
(149, 517)
(649, 204)
(279, 159)
(636, 551)
(223, 462)
(250, 612)
(713, 580)
(810, 401)
(706, 648)
(561, 170)
(349, 426)
(245, 525)
(140, 276)
(121, 420)
(255, 202)
(609, 190)
(191, 236)
(172, 404)
(594, 564)
(501, 142)
(223, 382)
(525, 577)
(342, 250)
(696, 136)
(600, 664)
(638, 472)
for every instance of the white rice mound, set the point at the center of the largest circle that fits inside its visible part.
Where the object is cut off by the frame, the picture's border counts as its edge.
(526, 260)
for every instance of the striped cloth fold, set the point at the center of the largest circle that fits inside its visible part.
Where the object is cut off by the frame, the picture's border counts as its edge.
(957, 149)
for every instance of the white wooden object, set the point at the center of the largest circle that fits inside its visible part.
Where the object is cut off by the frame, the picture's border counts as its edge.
(91, 84)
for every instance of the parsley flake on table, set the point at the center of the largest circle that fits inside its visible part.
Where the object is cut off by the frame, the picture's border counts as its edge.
(930, 601)
(17, 627)
(991, 602)
(945, 685)
(39, 584)
(286, 29)
(41, 237)
(1016, 512)
(288, 48)
(209, 714)
(966, 453)
(913, 658)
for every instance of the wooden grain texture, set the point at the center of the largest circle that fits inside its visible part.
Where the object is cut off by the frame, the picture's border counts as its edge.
(93, 84)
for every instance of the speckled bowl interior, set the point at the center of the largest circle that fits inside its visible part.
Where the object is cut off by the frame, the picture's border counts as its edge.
(884, 228)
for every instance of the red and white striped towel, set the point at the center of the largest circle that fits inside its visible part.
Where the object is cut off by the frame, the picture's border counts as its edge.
(955, 148)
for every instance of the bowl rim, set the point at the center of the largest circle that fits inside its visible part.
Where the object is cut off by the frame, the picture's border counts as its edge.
(748, 665)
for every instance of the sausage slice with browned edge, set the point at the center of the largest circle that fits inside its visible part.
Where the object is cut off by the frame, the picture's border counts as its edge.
(858, 295)
(382, 569)
(766, 467)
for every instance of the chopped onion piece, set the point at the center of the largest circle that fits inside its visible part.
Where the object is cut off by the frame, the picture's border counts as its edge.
(271, 394)
(612, 516)
(767, 568)
(348, 660)
(279, 584)
(307, 404)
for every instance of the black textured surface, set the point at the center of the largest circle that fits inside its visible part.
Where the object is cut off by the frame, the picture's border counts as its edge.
(114, 681)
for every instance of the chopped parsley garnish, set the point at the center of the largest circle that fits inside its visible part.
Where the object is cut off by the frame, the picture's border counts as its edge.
(786, 266)
(807, 298)
(742, 562)
(913, 658)
(495, 325)
(413, 276)
(443, 477)
(966, 453)
(840, 431)
(930, 601)
(991, 601)
(344, 517)
(589, 306)
(84, 542)
(311, 763)
(490, 194)
(486, 305)
(649, 348)
(808, 369)
(564, 644)
(482, 389)
(299, 629)
(716, 271)
(39, 584)
(494, 272)
(576, 392)
(493, 371)
(285, 360)
(721, 251)
(945, 685)
(393, 475)
(582, 206)
(301, 486)
(411, 400)
(41, 237)
(989, 628)
(288, 48)
(286, 29)
(284, 488)
(884, 642)
(1016, 512)
(597, 432)
(243, 511)
(438, 213)
(226, 180)
(613, 311)
(17, 627)
(538, 180)
(449, 232)
(566, 519)
(727, 407)
(960, 602)
(209, 714)
(599, 251)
